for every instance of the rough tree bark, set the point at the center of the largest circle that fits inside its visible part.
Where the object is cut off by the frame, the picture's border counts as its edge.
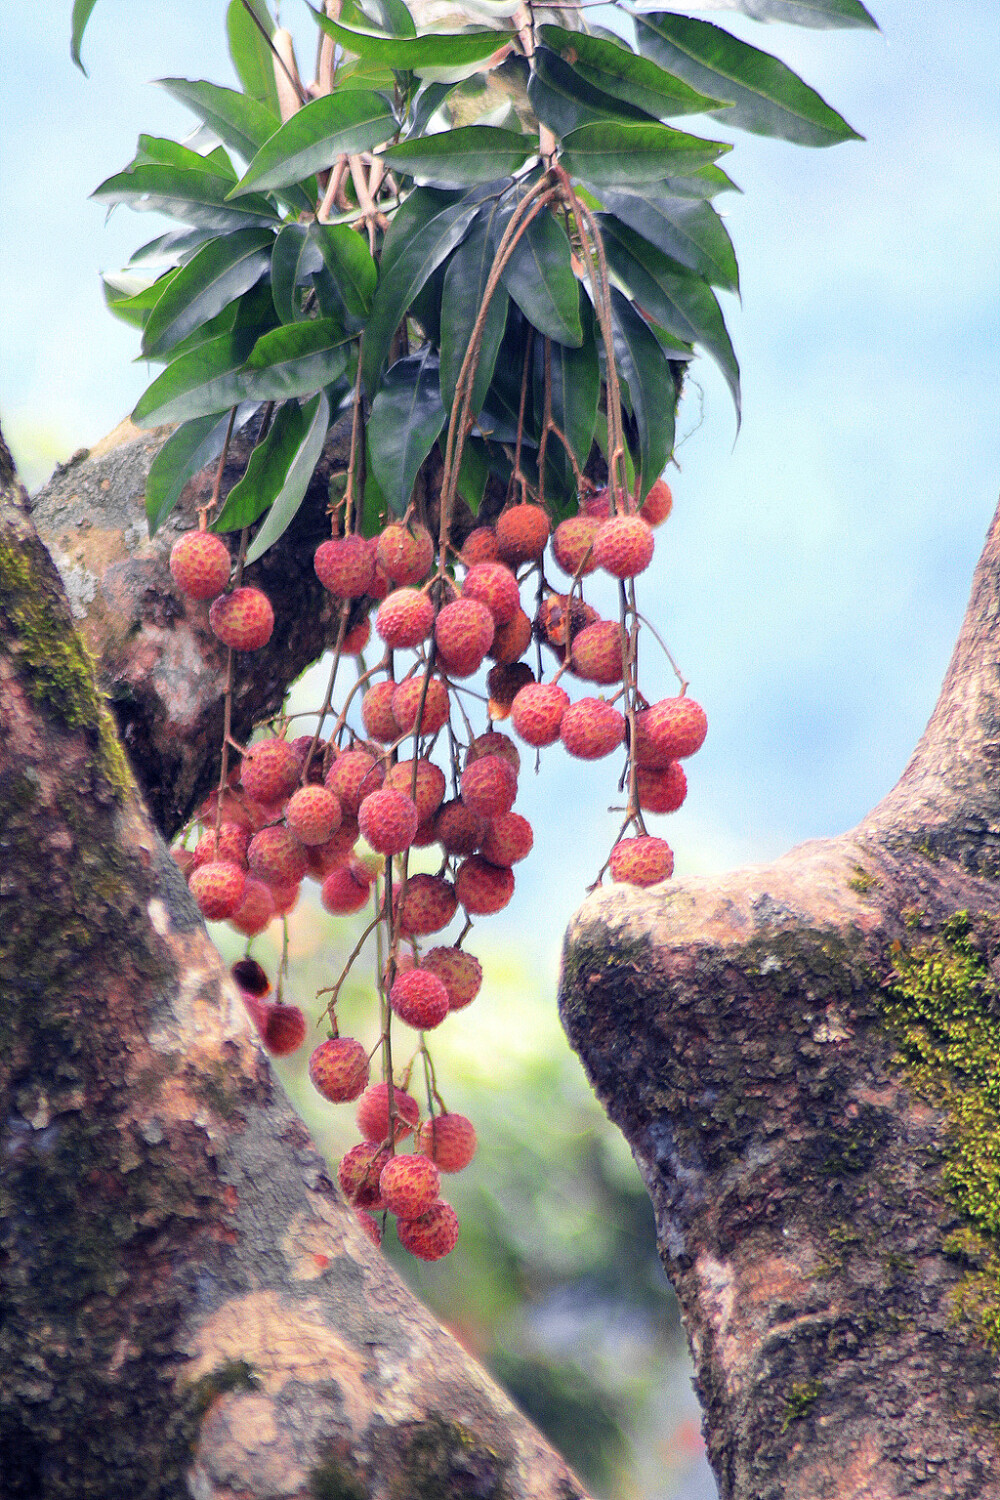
(189, 1306)
(805, 1059)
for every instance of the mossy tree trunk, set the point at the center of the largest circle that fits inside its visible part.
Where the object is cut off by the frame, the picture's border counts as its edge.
(805, 1059)
(190, 1309)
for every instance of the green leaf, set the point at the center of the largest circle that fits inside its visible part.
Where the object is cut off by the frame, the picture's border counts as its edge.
(222, 270)
(349, 262)
(430, 98)
(676, 298)
(205, 380)
(539, 277)
(410, 54)
(265, 472)
(239, 121)
(391, 16)
(817, 13)
(187, 450)
(464, 156)
(464, 283)
(315, 422)
(649, 387)
(251, 55)
(473, 472)
(766, 96)
(608, 154)
(406, 417)
(81, 15)
(684, 228)
(173, 249)
(576, 386)
(294, 258)
(167, 153)
(134, 307)
(705, 183)
(295, 360)
(412, 258)
(194, 197)
(315, 136)
(614, 69)
(563, 100)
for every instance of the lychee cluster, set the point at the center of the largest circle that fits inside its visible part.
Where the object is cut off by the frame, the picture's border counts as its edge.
(405, 770)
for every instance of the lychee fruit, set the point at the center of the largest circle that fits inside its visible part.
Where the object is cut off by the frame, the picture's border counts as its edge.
(591, 728)
(339, 1069)
(284, 1029)
(200, 564)
(663, 790)
(419, 998)
(461, 974)
(433, 1235)
(373, 1112)
(503, 685)
(572, 542)
(641, 861)
(623, 546)
(669, 730)
(243, 619)
(314, 814)
(345, 565)
(229, 843)
(270, 771)
(494, 743)
(218, 888)
(255, 910)
(376, 712)
(537, 712)
(354, 776)
(511, 641)
(429, 903)
(430, 785)
(489, 786)
(404, 619)
(522, 532)
(277, 856)
(409, 1185)
(483, 888)
(496, 587)
(406, 705)
(463, 633)
(388, 820)
(458, 829)
(344, 891)
(508, 839)
(658, 504)
(405, 554)
(480, 546)
(449, 1140)
(359, 1171)
(596, 653)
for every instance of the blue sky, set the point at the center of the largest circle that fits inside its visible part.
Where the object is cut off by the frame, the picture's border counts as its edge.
(814, 573)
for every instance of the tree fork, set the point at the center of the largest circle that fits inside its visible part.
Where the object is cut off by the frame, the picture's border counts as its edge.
(190, 1306)
(803, 1058)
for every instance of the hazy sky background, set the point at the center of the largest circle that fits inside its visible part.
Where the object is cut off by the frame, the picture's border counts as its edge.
(813, 576)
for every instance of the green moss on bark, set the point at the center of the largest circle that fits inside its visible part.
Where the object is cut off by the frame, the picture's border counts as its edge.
(944, 1008)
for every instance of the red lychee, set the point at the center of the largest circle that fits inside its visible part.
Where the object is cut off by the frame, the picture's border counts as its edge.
(217, 888)
(480, 546)
(409, 1185)
(522, 532)
(359, 1171)
(345, 565)
(596, 654)
(658, 504)
(388, 820)
(314, 814)
(405, 554)
(404, 619)
(343, 891)
(419, 998)
(661, 791)
(508, 839)
(669, 730)
(511, 641)
(458, 829)
(489, 786)
(243, 619)
(429, 903)
(270, 771)
(433, 1235)
(406, 705)
(463, 633)
(641, 861)
(623, 546)
(572, 540)
(277, 856)
(537, 712)
(376, 712)
(354, 776)
(373, 1112)
(591, 728)
(339, 1069)
(461, 974)
(449, 1140)
(200, 564)
(483, 888)
(430, 786)
(496, 587)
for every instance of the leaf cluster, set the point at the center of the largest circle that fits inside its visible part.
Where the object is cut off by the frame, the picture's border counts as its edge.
(498, 230)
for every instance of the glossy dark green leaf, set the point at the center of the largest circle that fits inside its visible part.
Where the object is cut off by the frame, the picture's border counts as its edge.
(816, 13)
(222, 270)
(430, 98)
(194, 197)
(415, 256)
(539, 277)
(223, 322)
(406, 417)
(673, 296)
(616, 70)
(313, 138)
(349, 262)
(251, 54)
(315, 421)
(650, 391)
(187, 450)
(766, 96)
(498, 418)
(265, 472)
(707, 182)
(473, 472)
(205, 380)
(461, 157)
(239, 121)
(293, 260)
(409, 219)
(134, 307)
(461, 301)
(409, 54)
(563, 100)
(81, 15)
(169, 250)
(389, 16)
(684, 228)
(295, 360)
(165, 152)
(576, 386)
(609, 154)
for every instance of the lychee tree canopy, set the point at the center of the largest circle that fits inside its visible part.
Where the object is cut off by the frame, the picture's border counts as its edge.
(493, 241)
